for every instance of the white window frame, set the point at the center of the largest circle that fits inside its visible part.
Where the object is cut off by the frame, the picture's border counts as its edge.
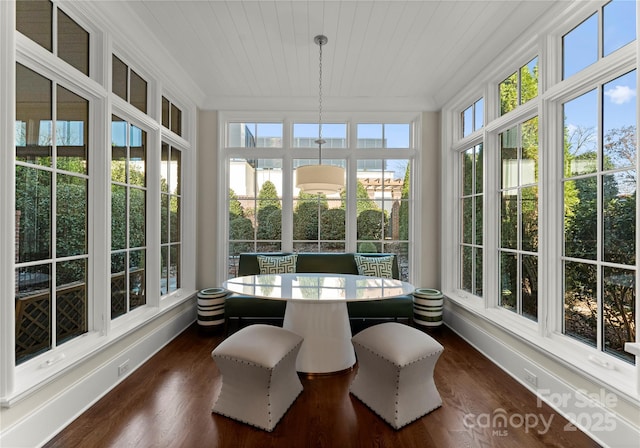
(288, 153)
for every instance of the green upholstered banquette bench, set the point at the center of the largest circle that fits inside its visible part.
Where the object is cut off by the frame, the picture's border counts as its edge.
(240, 306)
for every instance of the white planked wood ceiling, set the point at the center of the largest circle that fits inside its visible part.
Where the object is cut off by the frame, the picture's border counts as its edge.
(411, 55)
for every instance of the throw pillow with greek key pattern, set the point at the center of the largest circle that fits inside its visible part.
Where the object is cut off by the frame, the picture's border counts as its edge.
(285, 264)
(375, 266)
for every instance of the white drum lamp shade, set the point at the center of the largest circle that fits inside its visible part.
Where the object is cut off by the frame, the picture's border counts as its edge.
(320, 179)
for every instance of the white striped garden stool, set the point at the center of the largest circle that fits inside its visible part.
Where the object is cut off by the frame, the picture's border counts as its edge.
(427, 307)
(211, 308)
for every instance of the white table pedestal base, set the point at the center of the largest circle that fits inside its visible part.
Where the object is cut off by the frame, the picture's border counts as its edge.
(325, 328)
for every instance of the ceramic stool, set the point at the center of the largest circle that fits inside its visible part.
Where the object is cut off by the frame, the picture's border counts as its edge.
(395, 372)
(259, 379)
(211, 308)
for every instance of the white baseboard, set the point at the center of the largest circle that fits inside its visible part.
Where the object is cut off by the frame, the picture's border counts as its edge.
(588, 415)
(52, 416)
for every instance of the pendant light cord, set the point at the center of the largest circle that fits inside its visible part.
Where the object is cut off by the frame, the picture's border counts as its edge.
(320, 40)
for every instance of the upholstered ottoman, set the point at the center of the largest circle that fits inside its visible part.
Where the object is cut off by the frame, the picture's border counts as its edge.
(259, 379)
(395, 372)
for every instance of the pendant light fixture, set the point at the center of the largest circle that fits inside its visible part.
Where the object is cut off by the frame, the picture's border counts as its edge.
(320, 179)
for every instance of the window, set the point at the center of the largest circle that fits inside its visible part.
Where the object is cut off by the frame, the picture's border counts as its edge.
(306, 134)
(471, 204)
(255, 206)
(128, 217)
(519, 219)
(383, 207)
(51, 214)
(34, 19)
(252, 135)
(262, 219)
(473, 118)
(386, 135)
(128, 85)
(520, 87)
(171, 116)
(600, 216)
(170, 218)
(581, 47)
(554, 225)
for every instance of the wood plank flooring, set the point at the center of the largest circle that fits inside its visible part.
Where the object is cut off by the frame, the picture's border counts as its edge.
(167, 403)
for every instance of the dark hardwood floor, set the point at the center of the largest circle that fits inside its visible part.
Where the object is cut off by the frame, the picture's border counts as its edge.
(167, 403)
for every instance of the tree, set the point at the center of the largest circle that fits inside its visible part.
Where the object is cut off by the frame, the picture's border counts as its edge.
(269, 213)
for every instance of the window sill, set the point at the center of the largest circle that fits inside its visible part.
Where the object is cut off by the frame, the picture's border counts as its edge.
(588, 362)
(35, 374)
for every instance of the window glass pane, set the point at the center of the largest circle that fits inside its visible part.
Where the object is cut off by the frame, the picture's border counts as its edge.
(530, 287)
(71, 215)
(529, 81)
(581, 141)
(529, 159)
(619, 292)
(619, 24)
(467, 269)
(137, 285)
(174, 215)
(396, 135)
(165, 112)
(33, 312)
(119, 77)
(174, 268)
(138, 93)
(509, 220)
(176, 120)
(164, 168)
(619, 122)
(164, 270)
(71, 300)
(479, 168)
(508, 94)
(305, 218)
(467, 121)
(478, 271)
(269, 135)
(33, 117)
(580, 218)
(468, 171)
(478, 113)
(137, 217)
(467, 220)
(369, 135)
(72, 126)
(306, 134)
(119, 284)
(34, 19)
(164, 218)
(138, 157)
(508, 281)
(332, 224)
(580, 47)
(580, 302)
(619, 216)
(118, 149)
(33, 214)
(176, 171)
(73, 43)
(118, 217)
(478, 219)
(529, 213)
(509, 158)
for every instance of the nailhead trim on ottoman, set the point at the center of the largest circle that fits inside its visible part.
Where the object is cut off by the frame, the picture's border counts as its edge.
(395, 372)
(259, 378)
